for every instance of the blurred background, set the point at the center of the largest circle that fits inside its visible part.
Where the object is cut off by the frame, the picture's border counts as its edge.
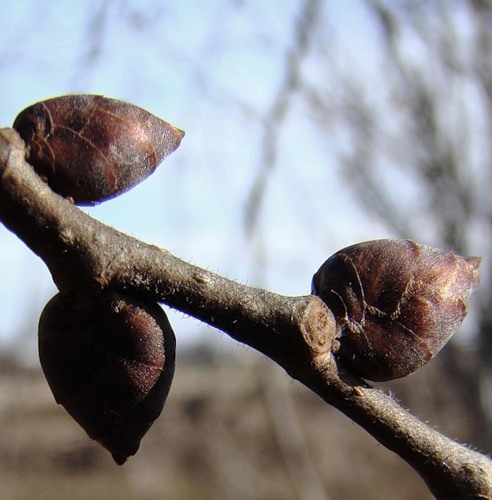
(310, 125)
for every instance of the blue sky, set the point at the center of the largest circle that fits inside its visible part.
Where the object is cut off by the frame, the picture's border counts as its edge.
(213, 69)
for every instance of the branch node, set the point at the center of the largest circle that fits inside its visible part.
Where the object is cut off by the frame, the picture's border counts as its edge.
(318, 327)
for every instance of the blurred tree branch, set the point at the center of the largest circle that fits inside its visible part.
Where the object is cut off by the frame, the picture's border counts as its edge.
(85, 257)
(278, 110)
(429, 127)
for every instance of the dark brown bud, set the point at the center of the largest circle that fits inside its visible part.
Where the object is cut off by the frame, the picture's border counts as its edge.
(110, 363)
(396, 303)
(91, 148)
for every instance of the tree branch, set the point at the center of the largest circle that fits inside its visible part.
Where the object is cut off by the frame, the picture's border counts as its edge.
(86, 257)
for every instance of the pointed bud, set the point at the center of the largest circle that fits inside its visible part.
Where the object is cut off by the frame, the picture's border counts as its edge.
(91, 148)
(396, 303)
(110, 362)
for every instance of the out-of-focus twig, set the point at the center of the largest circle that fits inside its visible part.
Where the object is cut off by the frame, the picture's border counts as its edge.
(278, 111)
(87, 257)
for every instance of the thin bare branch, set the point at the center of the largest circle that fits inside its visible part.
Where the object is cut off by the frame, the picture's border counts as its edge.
(278, 111)
(85, 256)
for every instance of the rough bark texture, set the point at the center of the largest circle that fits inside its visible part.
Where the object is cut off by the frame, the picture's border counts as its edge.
(85, 256)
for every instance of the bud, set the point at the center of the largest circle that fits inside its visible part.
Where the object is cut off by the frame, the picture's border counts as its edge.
(396, 303)
(110, 362)
(91, 148)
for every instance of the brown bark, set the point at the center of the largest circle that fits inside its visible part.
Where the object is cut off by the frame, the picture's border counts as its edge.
(87, 257)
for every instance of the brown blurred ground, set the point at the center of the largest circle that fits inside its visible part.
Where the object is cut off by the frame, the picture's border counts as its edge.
(229, 430)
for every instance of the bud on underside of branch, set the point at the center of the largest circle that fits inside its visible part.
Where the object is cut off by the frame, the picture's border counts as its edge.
(396, 303)
(110, 362)
(91, 148)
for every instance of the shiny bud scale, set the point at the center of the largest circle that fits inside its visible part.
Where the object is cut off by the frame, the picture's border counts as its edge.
(110, 362)
(396, 303)
(91, 148)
